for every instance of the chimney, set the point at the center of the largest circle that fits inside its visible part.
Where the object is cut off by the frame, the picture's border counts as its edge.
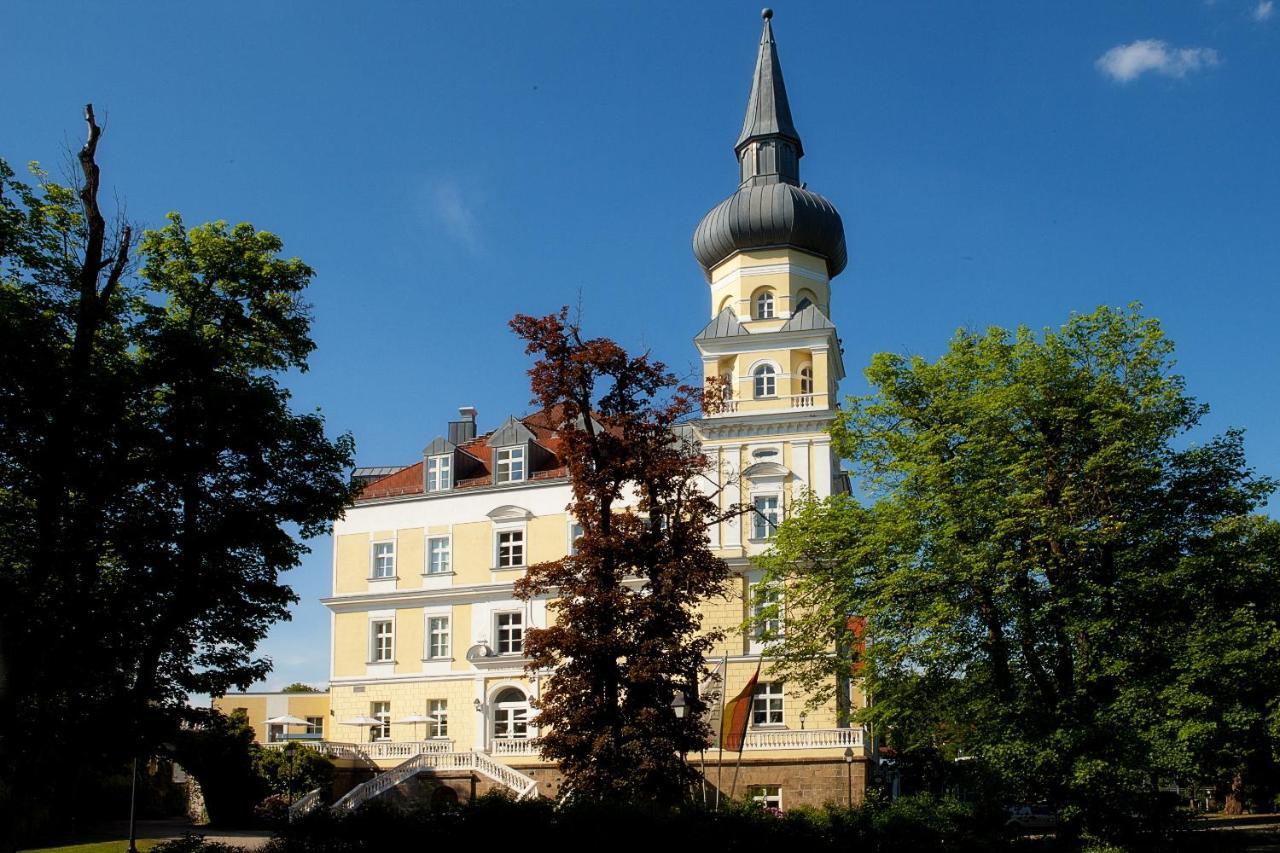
(460, 432)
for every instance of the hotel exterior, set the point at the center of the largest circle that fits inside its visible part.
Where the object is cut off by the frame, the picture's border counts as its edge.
(429, 693)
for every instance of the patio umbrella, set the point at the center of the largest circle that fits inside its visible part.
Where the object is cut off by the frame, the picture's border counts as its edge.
(287, 720)
(362, 722)
(415, 719)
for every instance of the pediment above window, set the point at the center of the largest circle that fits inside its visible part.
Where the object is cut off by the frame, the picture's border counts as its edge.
(766, 471)
(508, 512)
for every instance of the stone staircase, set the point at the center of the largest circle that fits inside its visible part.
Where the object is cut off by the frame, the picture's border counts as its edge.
(472, 762)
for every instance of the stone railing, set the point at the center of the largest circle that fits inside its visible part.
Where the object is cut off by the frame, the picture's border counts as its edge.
(802, 401)
(765, 739)
(515, 780)
(514, 746)
(366, 791)
(304, 805)
(383, 749)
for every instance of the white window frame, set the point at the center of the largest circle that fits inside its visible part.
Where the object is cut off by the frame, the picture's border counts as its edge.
(515, 647)
(521, 545)
(769, 796)
(439, 626)
(447, 551)
(576, 532)
(374, 637)
(439, 473)
(768, 705)
(806, 380)
(774, 626)
(380, 711)
(438, 726)
(765, 524)
(374, 557)
(509, 460)
(317, 728)
(763, 305)
(764, 381)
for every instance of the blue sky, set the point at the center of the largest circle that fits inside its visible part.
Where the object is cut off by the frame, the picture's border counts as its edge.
(443, 166)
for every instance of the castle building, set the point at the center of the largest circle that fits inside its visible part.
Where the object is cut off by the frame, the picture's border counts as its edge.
(428, 680)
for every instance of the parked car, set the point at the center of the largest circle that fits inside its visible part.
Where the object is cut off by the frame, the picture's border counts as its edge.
(1038, 816)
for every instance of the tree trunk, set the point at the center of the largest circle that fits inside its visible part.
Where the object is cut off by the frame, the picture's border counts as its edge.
(1233, 803)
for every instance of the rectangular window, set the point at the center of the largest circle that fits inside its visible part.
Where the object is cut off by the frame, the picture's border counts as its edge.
(575, 533)
(438, 711)
(384, 559)
(510, 548)
(769, 796)
(510, 632)
(438, 548)
(510, 467)
(382, 641)
(380, 711)
(439, 473)
(765, 518)
(766, 601)
(315, 726)
(438, 637)
(766, 705)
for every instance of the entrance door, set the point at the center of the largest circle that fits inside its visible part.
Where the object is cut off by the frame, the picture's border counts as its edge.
(510, 715)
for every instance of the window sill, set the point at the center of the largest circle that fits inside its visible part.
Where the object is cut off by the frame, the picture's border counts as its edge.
(437, 660)
(438, 574)
(508, 568)
(771, 726)
(386, 578)
(380, 662)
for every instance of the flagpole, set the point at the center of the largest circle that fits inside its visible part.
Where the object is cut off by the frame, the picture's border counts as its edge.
(724, 685)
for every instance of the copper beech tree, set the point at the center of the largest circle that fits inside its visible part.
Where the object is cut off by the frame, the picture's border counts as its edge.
(626, 639)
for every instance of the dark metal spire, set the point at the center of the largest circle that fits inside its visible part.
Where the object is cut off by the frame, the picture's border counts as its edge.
(769, 117)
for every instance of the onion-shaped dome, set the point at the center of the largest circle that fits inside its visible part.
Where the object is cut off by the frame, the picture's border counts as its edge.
(771, 208)
(762, 215)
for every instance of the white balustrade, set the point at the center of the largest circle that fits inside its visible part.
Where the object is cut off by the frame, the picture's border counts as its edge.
(765, 739)
(515, 746)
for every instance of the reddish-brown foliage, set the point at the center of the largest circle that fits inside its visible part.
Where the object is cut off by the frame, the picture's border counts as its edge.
(626, 638)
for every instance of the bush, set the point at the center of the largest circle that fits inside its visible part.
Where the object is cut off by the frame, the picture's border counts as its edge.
(190, 843)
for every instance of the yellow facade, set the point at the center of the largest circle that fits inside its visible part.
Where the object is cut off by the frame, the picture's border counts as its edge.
(260, 707)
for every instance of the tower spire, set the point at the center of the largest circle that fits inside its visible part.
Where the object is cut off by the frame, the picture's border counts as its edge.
(767, 126)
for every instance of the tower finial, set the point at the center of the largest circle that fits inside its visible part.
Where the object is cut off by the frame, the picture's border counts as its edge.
(766, 13)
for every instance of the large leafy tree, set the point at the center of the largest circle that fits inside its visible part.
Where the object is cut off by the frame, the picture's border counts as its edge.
(626, 639)
(1048, 572)
(154, 478)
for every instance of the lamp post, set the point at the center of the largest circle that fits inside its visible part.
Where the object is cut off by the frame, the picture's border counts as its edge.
(848, 763)
(803, 716)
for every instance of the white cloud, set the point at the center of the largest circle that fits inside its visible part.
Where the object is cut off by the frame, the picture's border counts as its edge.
(453, 211)
(1264, 10)
(1126, 62)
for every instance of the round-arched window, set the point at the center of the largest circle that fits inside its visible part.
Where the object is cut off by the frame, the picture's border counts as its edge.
(510, 714)
(806, 379)
(764, 305)
(766, 381)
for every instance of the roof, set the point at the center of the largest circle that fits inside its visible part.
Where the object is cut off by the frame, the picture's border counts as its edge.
(725, 325)
(768, 110)
(807, 319)
(535, 427)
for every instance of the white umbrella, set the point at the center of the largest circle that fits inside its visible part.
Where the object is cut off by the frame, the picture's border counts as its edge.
(287, 720)
(415, 719)
(362, 722)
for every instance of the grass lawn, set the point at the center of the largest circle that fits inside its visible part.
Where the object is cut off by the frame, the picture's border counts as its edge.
(100, 846)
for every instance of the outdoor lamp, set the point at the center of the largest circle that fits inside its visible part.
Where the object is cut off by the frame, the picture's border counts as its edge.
(803, 716)
(477, 704)
(848, 755)
(679, 704)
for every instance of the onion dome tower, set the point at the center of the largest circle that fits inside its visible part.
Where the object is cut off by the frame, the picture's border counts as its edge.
(769, 252)
(771, 208)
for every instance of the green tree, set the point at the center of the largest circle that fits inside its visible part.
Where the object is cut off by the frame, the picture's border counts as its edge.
(626, 640)
(299, 687)
(154, 479)
(1029, 555)
(293, 770)
(218, 750)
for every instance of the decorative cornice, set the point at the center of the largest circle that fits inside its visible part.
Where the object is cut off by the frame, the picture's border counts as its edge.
(752, 425)
(774, 269)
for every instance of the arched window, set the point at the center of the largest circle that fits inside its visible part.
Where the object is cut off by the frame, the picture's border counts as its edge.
(804, 299)
(510, 714)
(806, 379)
(804, 303)
(727, 302)
(766, 381)
(764, 305)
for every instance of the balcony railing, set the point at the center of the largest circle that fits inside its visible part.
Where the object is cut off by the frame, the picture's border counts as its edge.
(764, 739)
(375, 750)
(515, 746)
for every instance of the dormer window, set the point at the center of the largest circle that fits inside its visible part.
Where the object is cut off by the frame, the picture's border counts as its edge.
(509, 466)
(439, 473)
(764, 305)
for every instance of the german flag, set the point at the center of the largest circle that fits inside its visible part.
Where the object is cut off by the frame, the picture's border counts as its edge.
(737, 714)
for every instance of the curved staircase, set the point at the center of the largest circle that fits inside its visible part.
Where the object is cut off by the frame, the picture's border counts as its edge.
(477, 762)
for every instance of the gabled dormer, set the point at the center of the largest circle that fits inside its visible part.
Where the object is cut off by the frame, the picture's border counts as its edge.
(516, 453)
(444, 463)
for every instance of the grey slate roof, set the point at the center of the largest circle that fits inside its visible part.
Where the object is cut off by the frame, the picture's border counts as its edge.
(807, 319)
(438, 446)
(768, 110)
(377, 470)
(725, 325)
(511, 432)
(770, 208)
